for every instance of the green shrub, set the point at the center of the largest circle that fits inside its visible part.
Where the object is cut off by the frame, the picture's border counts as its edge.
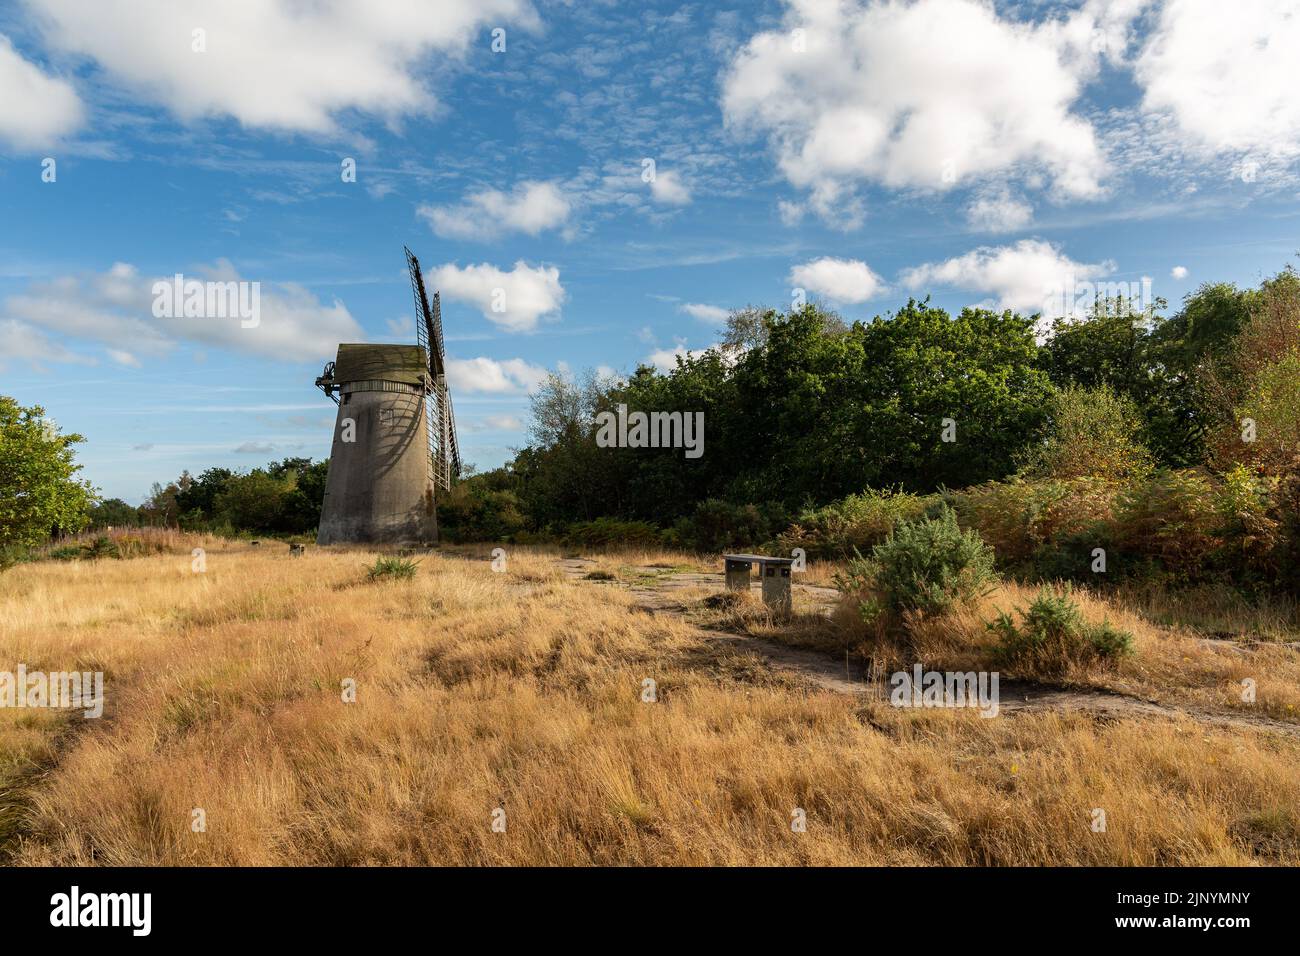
(12, 555)
(604, 532)
(1110, 642)
(392, 567)
(1090, 433)
(103, 547)
(1027, 521)
(928, 565)
(854, 523)
(1170, 519)
(1287, 548)
(1052, 636)
(100, 547)
(474, 512)
(1071, 557)
(717, 525)
(1249, 534)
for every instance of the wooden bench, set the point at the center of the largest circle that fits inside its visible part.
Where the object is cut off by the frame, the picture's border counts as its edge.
(773, 572)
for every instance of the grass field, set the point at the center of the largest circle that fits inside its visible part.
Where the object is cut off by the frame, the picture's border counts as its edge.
(517, 697)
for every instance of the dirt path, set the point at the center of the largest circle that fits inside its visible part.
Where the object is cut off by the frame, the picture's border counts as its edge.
(849, 677)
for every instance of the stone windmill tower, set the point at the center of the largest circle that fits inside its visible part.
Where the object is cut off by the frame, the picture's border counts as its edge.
(394, 444)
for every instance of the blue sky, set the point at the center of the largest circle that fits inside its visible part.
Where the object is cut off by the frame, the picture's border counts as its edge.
(982, 153)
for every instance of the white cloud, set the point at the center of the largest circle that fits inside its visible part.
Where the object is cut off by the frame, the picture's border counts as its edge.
(1030, 276)
(254, 448)
(402, 327)
(122, 357)
(513, 300)
(841, 280)
(998, 211)
(35, 109)
(1226, 73)
(115, 309)
(791, 213)
(493, 423)
(929, 95)
(665, 360)
(705, 313)
(19, 340)
(530, 208)
(294, 323)
(490, 376)
(1178, 272)
(278, 65)
(668, 189)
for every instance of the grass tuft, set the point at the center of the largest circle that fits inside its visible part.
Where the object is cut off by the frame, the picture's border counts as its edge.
(398, 569)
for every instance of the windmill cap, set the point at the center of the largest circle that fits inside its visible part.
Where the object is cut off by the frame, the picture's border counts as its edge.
(381, 363)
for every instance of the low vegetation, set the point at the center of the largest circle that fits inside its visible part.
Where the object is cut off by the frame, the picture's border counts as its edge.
(392, 567)
(522, 692)
(1052, 638)
(929, 566)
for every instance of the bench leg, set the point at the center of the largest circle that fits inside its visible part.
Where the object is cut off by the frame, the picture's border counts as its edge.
(738, 574)
(776, 589)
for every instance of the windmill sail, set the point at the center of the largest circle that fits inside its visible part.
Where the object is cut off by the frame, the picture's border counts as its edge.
(439, 418)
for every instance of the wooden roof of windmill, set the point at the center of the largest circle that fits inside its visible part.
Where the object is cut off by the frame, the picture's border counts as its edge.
(360, 362)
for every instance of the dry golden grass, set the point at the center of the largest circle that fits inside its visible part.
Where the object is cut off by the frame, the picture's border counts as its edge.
(1215, 611)
(523, 690)
(1170, 664)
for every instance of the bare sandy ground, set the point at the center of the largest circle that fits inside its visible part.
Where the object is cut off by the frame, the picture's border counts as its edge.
(655, 593)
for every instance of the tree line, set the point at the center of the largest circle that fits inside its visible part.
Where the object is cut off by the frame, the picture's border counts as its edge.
(281, 497)
(800, 409)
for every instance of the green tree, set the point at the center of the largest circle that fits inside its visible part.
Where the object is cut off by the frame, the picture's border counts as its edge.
(805, 412)
(1090, 433)
(1142, 357)
(563, 475)
(821, 414)
(301, 505)
(40, 494)
(161, 509)
(196, 505)
(1207, 323)
(1255, 391)
(748, 328)
(253, 502)
(1110, 347)
(660, 484)
(114, 513)
(1180, 372)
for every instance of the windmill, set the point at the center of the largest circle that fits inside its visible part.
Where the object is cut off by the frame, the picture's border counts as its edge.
(394, 445)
